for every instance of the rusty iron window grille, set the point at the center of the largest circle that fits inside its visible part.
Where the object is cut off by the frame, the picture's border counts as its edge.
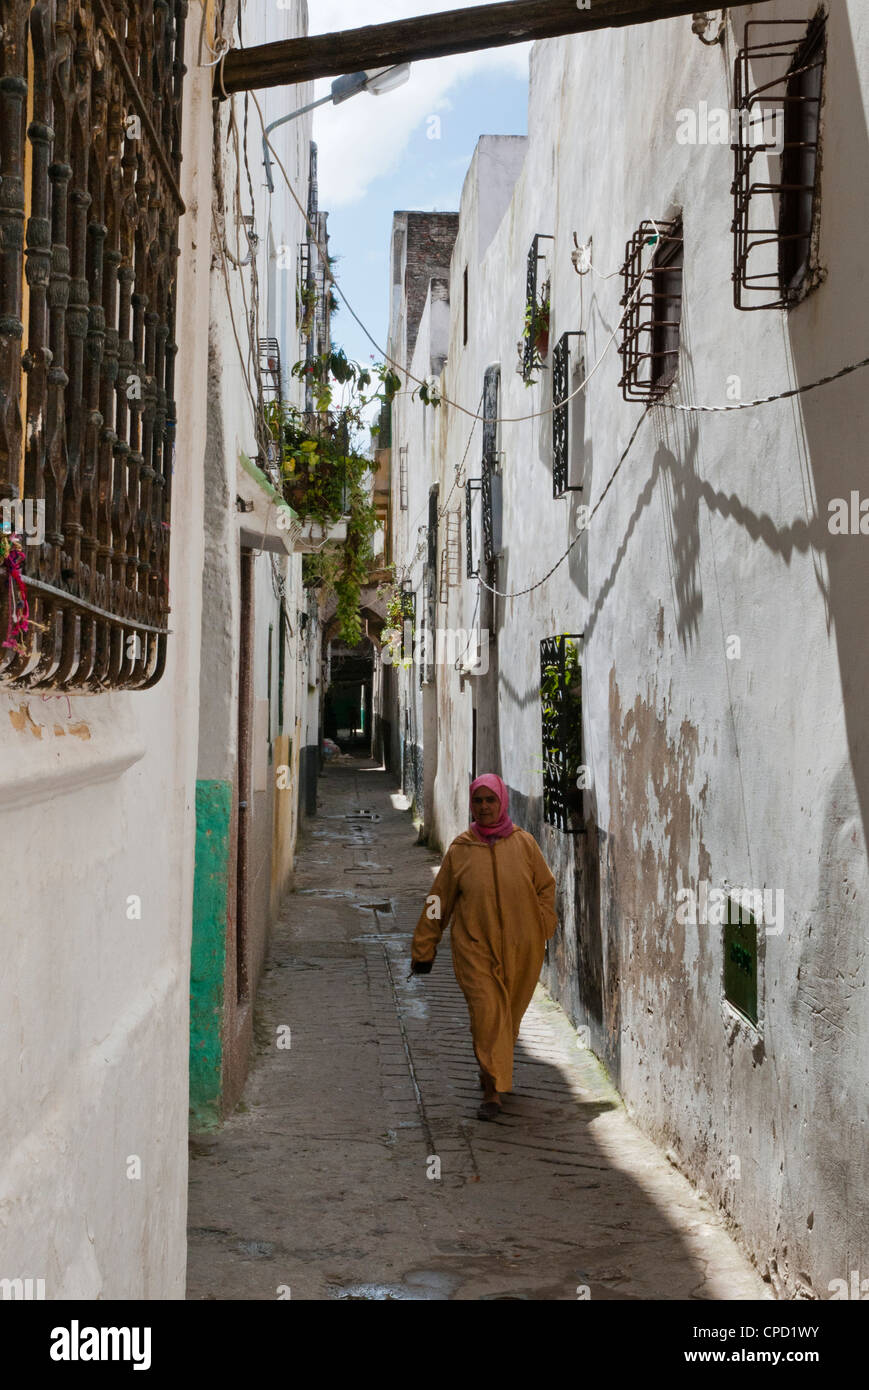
(450, 556)
(779, 74)
(561, 721)
(90, 110)
(270, 369)
(402, 478)
(532, 358)
(472, 570)
(303, 263)
(323, 315)
(650, 332)
(270, 390)
(561, 380)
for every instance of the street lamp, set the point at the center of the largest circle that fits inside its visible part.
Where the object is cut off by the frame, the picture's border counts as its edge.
(377, 81)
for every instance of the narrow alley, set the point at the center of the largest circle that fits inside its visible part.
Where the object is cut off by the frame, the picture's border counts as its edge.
(324, 1182)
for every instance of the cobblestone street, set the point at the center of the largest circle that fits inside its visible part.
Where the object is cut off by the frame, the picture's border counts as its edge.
(323, 1182)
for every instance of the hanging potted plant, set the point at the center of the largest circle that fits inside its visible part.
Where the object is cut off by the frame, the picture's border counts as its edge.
(541, 326)
(326, 481)
(534, 345)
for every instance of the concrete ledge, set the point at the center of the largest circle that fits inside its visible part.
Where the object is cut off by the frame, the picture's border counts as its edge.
(49, 748)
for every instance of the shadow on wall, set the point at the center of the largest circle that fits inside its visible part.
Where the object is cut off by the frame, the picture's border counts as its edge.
(827, 331)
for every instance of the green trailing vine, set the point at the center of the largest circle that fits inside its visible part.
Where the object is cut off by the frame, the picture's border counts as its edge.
(325, 479)
(561, 695)
(398, 611)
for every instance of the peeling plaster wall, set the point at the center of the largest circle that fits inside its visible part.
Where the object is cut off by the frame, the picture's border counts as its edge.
(749, 772)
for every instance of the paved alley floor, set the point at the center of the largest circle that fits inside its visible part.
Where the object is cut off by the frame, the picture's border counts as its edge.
(355, 1167)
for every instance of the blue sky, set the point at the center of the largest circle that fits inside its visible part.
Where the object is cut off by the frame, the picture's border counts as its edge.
(376, 156)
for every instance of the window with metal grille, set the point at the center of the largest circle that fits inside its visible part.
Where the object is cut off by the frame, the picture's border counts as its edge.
(271, 393)
(740, 960)
(562, 359)
(653, 300)
(450, 556)
(535, 341)
(490, 476)
(472, 566)
(402, 478)
(408, 621)
(90, 113)
(561, 720)
(490, 497)
(778, 92)
(304, 265)
(430, 584)
(271, 384)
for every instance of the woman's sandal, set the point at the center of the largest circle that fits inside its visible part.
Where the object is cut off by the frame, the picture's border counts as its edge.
(489, 1110)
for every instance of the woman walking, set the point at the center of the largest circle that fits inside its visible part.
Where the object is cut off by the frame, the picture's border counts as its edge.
(496, 886)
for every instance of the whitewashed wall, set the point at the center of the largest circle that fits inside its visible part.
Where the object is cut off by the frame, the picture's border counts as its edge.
(748, 772)
(97, 814)
(96, 811)
(279, 226)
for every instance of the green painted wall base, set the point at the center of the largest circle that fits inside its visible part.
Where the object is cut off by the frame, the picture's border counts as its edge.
(208, 953)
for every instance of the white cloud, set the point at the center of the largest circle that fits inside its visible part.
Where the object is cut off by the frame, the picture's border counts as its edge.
(366, 136)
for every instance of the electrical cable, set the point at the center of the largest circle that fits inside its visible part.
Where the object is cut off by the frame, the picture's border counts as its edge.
(390, 361)
(766, 400)
(421, 546)
(557, 405)
(519, 593)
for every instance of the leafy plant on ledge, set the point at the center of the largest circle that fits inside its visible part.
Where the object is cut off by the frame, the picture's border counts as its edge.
(325, 479)
(397, 612)
(561, 695)
(534, 344)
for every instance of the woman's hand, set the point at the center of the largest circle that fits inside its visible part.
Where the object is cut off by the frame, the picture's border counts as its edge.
(421, 967)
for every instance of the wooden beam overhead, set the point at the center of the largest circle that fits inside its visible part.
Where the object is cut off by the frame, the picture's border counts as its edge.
(432, 36)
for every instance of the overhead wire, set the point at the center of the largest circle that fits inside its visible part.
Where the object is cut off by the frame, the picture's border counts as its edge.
(475, 415)
(442, 511)
(519, 593)
(556, 405)
(391, 361)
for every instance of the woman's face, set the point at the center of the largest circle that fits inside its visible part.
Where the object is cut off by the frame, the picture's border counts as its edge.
(485, 806)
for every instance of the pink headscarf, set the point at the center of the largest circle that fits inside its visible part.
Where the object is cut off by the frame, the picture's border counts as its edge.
(503, 826)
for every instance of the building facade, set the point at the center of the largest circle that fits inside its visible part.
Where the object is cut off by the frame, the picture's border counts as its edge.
(670, 595)
(258, 653)
(160, 660)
